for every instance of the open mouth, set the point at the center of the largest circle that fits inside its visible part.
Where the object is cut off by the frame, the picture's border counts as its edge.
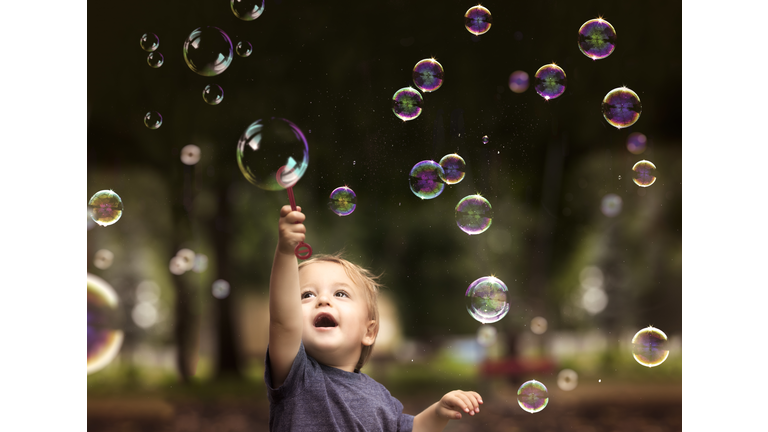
(325, 320)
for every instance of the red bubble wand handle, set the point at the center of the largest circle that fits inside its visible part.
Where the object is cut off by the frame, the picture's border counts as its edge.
(303, 250)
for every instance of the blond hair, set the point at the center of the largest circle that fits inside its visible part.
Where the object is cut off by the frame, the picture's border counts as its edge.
(362, 278)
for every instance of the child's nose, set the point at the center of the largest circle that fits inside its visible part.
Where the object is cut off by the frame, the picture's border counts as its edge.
(323, 300)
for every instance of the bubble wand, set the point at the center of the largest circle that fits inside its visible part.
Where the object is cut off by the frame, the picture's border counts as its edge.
(287, 180)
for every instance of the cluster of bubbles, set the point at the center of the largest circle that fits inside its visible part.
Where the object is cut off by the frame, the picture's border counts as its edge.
(190, 154)
(644, 173)
(650, 347)
(220, 289)
(473, 214)
(342, 201)
(518, 81)
(104, 334)
(478, 20)
(213, 94)
(105, 207)
(187, 260)
(427, 76)
(532, 396)
(597, 38)
(549, 81)
(486, 299)
(150, 42)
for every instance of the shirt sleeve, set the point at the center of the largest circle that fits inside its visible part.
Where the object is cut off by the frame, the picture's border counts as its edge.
(405, 421)
(293, 382)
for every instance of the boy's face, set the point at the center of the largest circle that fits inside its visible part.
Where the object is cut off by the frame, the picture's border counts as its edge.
(336, 320)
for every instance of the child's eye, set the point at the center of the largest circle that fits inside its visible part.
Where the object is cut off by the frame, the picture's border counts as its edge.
(341, 294)
(306, 294)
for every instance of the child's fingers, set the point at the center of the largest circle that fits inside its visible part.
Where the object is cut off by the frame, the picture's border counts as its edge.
(476, 400)
(284, 210)
(295, 217)
(466, 403)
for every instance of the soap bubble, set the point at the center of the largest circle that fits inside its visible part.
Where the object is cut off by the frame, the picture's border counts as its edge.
(105, 207)
(636, 143)
(155, 59)
(213, 94)
(244, 48)
(426, 179)
(597, 38)
(187, 257)
(486, 300)
(611, 205)
(539, 325)
(190, 154)
(518, 81)
(104, 335)
(485, 139)
(208, 51)
(621, 107)
(220, 289)
(153, 119)
(273, 153)
(247, 10)
(650, 347)
(144, 315)
(428, 75)
(532, 396)
(567, 379)
(342, 201)
(406, 103)
(486, 335)
(454, 168)
(478, 20)
(550, 81)
(103, 259)
(149, 42)
(474, 214)
(644, 173)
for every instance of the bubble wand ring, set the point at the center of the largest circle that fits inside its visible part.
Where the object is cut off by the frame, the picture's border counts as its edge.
(285, 179)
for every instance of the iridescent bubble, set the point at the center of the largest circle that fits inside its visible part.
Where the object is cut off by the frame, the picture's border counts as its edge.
(549, 81)
(220, 289)
(597, 38)
(406, 103)
(153, 120)
(532, 396)
(644, 173)
(650, 347)
(149, 42)
(636, 143)
(103, 259)
(567, 379)
(486, 335)
(428, 75)
(244, 48)
(190, 154)
(454, 168)
(426, 179)
(273, 153)
(247, 10)
(213, 94)
(342, 201)
(104, 335)
(621, 107)
(611, 205)
(155, 59)
(478, 20)
(105, 207)
(485, 139)
(539, 325)
(208, 51)
(486, 300)
(474, 214)
(518, 81)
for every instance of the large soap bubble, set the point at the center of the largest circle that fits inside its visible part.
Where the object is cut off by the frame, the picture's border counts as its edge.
(273, 153)
(474, 214)
(549, 81)
(104, 334)
(621, 107)
(105, 207)
(532, 396)
(428, 75)
(426, 179)
(406, 103)
(644, 173)
(208, 51)
(597, 38)
(486, 300)
(454, 168)
(342, 201)
(650, 347)
(247, 10)
(149, 42)
(478, 20)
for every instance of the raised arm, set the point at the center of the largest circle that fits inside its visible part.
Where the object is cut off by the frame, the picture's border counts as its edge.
(435, 418)
(285, 316)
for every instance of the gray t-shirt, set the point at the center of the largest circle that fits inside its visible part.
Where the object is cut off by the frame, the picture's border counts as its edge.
(316, 397)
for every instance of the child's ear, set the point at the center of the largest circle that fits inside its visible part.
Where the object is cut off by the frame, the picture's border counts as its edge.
(370, 333)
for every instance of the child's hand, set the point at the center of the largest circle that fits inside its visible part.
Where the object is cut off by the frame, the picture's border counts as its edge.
(291, 230)
(454, 403)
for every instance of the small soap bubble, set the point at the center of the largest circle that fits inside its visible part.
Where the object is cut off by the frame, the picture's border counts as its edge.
(406, 103)
(153, 120)
(244, 49)
(426, 179)
(532, 396)
(473, 214)
(550, 81)
(539, 325)
(104, 335)
(208, 51)
(636, 143)
(650, 347)
(201, 263)
(486, 300)
(597, 38)
(611, 204)
(187, 258)
(644, 173)
(478, 20)
(190, 154)
(149, 42)
(247, 10)
(213, 94)
(485, 139)
(177, 266)
(273, 153)
(428, 75)
(144, 315)
(105, 207)
(486, 335)
(454, 168)
(155, 59)
(220, 289)
(518, 81)
(342, 201)
(103, 259)
(567, 379)
(621, 107)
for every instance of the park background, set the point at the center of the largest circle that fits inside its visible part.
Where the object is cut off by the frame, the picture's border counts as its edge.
(332, 70)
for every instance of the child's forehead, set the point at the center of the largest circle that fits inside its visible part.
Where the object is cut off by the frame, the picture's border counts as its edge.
(325, 273)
